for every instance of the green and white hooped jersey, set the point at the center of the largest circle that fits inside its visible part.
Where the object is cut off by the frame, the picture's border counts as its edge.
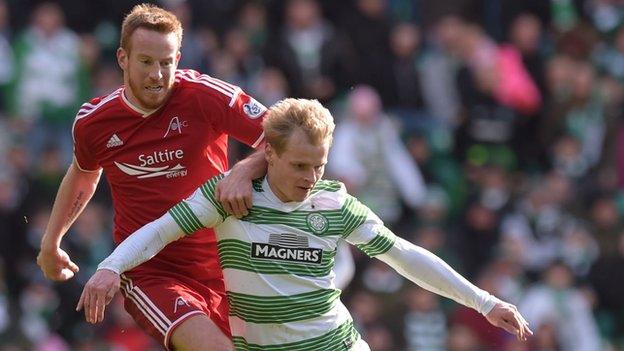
(278, 260)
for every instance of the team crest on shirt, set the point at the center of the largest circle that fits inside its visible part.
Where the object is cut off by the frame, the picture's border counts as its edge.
(175, 125)
(317, 223)
(253, 109)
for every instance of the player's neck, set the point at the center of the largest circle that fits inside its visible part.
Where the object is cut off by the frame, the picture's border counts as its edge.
(134, 106)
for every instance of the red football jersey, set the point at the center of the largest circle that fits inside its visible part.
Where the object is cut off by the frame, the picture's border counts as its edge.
(153, 162)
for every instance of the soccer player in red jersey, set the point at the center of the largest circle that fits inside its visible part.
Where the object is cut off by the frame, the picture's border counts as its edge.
(157, 138)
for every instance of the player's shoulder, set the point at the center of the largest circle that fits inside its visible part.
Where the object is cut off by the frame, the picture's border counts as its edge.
(332, 186)
(191, 80)
(98, 106)
(329, 194)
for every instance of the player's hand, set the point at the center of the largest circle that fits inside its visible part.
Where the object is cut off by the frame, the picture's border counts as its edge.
(56, 265)
(97, 293)
(505, 315)
(234, 193)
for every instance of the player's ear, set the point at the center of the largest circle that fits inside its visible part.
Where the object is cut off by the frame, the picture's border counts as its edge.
(178, 57)
(269, 153)
(122, 58)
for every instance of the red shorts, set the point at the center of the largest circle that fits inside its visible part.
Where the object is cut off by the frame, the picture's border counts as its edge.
(159, 303)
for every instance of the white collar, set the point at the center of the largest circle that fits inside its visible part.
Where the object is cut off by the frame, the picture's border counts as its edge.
(143, 112)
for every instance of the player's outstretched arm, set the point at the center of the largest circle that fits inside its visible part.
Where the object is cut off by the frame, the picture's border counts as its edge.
(74, 193)
(432, 273)
(234, 192)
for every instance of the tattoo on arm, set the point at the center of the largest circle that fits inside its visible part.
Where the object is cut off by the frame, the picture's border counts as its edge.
(76, 207)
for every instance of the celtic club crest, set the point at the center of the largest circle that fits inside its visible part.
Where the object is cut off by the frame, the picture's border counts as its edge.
(317, 223)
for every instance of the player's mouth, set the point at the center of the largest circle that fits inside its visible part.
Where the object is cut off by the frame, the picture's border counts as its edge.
(154, 88)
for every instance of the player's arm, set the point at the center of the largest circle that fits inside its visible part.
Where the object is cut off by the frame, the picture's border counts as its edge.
(234, 192)
(241, 119)
(201, 210)
(427, 270)
(74, 193)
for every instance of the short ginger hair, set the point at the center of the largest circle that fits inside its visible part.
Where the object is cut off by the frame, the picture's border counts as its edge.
(150, 17)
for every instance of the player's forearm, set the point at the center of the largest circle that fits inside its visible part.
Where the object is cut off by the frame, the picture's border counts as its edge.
(252, 167)
(432, 273)
(74, 193)
(142, 245)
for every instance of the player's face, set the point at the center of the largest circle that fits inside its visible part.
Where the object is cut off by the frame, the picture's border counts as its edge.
(149, 67)
(292, 174)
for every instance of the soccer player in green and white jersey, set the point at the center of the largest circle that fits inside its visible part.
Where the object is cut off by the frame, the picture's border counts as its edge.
(277, 261)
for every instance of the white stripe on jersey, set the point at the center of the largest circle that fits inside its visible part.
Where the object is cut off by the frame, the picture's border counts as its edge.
(258, 141)
(209, 82)
(272, 334)
(151, 312)
(88, 108)
(196, 75)
(235, 96)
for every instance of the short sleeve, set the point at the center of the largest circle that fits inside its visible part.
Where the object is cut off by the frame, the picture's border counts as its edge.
(83, 155)
(230, 110)
(243, 120)
(200, 210)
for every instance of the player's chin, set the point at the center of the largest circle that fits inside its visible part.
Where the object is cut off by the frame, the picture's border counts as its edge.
(154, 100)
(301, 193)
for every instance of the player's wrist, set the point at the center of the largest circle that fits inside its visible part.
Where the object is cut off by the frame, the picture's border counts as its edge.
(49, 245)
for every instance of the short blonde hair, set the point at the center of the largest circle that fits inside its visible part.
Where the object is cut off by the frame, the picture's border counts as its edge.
(150, 17)
(308, 115)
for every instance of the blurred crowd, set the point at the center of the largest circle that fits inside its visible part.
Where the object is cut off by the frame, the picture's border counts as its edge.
(487, 131)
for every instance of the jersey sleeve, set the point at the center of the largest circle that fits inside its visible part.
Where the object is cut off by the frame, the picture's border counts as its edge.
(243, 120)
(83, 154)
(364, 229)
(230, 109)
(200, 210)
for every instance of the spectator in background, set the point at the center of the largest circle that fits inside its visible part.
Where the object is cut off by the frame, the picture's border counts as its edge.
(425, 322)
(7, 66)
(556, 301)
(50, 78)
(369, 30)
(609, 291)
(369, 157)
(192, 50)
(405, 95)
(312, 54)
(439, 68)
(534, 231)
(252, 21)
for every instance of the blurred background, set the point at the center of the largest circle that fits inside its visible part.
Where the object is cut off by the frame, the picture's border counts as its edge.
(487, 131)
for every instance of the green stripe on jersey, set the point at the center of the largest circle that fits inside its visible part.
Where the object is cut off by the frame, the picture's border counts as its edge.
(236, 254)
(208, 190)
(282, 309)
(380, 244)
(354, 214)
(296, 219)
(339, 339)
(185, 218)
(326, 185)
